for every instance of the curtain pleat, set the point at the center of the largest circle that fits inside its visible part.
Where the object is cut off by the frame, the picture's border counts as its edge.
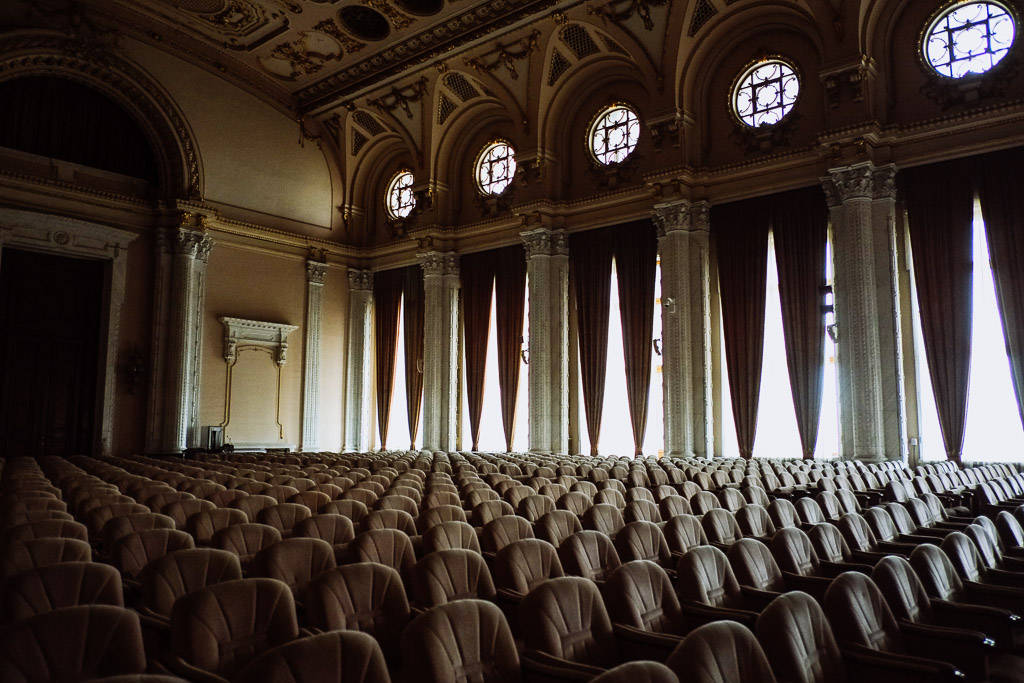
(940, 211)
(412, 290)
(387, 297)
(800, 227)
(636, 261)
(740, 231)
(590, 262)
(1002, 204)
(477, 274)
(510, 306)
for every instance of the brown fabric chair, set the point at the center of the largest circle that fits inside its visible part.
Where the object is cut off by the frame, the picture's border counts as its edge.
(722, 652)
(166, 579)
(720, 527)
(708, 589)
(673, 505)
(637, 672)
(280, 492)
(366, 596)
(337, 530)
(294, 561)
(390, 547)
(590, 554)
(704, 501)
(283, 517)
(68, 584)
(800, 565)
(314, 500)
(575, 502)
(205, 523)
(45, 528)
(605, 518)
(969, 564)
(40, 552)
(556, 526)
(447, 575)
(644, 541)
(98, 516)
(641, 511)
(610, 497)
(566, 630)
(488, 511)
(252, 504)
(829, 544)
(756, 571)
(798, 641)
(133, 552)
(532, 508)
(11, 520)
(683, 532)
(245, 540)
(731, 499)
(391, 519)
(332, 656)
(755, 522)
(181, 510)
(223, 499)
(644, 610)
(217, 631)
(500, 532)
(522, 565)
(461, 641)
(445, 535)
(118, 527)
(72, 644)
(783, 513)
(439, 515)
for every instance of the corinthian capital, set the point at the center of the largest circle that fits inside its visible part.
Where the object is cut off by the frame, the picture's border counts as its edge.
(315, 272)
(545, 242)
(360, 280)
(861, 181)
(193, 244)
(682, 215)
(439, 263)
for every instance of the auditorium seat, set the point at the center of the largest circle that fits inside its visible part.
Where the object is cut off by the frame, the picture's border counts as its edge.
(721, 652)
(721, 528)
(181, 510)
(45, 528)
(489, 510)
(134, 551)
(644, 610)
(353, 509)
(798, 642)
(557, 525)
(332, 656)
(708, 590)
(294, 561)
(251, 505)
(21, 556)
(682, 533)
(245, 540)
(439, 515)
(68, 584)
(967, 560)
(283, 517)
(390, 547)
(205, 523)
(499, 532)
(447, 575)
(447, 535)
(590, 554)
(637, 672)
(644, 541)
(756, 571)
(519, 567)
(176, 574)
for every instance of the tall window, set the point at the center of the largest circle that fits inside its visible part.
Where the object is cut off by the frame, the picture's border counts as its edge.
(969, 38)
(777, 433)
(398, 420)
(993, 431)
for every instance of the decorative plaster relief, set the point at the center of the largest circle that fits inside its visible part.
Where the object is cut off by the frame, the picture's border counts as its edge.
(239, 332)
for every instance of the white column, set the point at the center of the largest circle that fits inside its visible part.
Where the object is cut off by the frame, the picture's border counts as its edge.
(862, 201)
(358, 413)
(188, 300)
(441, 348)
(547, 258)
(315, 273)
(686, 326)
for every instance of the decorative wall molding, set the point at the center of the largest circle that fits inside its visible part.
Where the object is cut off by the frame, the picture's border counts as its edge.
(240, 333)
(81, 239)
(316, 271)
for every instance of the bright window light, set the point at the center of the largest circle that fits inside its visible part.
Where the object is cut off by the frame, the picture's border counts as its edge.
(970, 38)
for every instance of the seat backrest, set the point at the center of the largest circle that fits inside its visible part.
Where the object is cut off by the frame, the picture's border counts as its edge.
(439, 515)
(499, 532)
(640, 594)
(721, 652)
(643, 541)
(184, 571)
(590, 554)
(1011, 533)
(731, 499)
(848, 500)
(222, 627)
(753, 565)
(353, 509)
(754, 521)
(55, 586)
(720, 526)
(283, 516)
(859, 614)
(294, 561)
(609, 496)
(783, 513)
(455, 574)
(252, 504)
(683, 532)
(604, 517)
(809, 511)
(937, 574)
(902, 589)
(575, 502)
(755, 495)
(333, 528)
(830, 506)
(857, 532)
(181, 510)
(704, 501)
(798, 641)
(205, 523)
(133, 552)
(673, 505)
(73, 644)
(566, 618)
(397, 502)
(557, 525)
(988, 551)
(450, 535)
(704, 576)
(335, 655)
(45, 528)
(389, 547)
(828, 543)
(40, 552)
(532, 508)
(521, 565)
(964, 555)
(245, 540)
(793, 551)
(448, 641)
(489, 510)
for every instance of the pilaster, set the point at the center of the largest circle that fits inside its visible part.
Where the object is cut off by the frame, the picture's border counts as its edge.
(547, 257)
(683, 242)
(862, 204)
(358, 412)
(316, 271)
(440, 352)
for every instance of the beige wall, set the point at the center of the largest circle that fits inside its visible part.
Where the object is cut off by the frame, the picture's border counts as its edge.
(334, 335)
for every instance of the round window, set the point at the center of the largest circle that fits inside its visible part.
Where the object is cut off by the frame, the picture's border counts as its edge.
(495, 167)
(399, 199)
(765, 93)
(969, 38)
(613, 134)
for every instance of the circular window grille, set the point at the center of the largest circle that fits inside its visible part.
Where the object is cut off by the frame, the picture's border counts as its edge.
(614, 134)
(765, 93)
(495, 168)
(969, 38)
(399, 199)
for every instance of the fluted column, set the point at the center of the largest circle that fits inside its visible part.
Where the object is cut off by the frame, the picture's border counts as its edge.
(315, 273)
(358, 413)
(862, 201)
(441, 348)
(683, 231)
(547, 257)
(188, 301)
(155, 413)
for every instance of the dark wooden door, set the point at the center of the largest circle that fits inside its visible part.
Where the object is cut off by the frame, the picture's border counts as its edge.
(50, 309)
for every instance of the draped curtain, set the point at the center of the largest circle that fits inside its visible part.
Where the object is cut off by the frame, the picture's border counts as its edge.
(740, 232)
(636, 261)
(800, 227)
(412, 290)
(510, 304)
(940, 208)
(477, 276)
(387, 297)
(1002, 205)
(590, 262)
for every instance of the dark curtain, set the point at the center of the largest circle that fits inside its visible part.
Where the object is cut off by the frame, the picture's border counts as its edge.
(477, 275)
(940, 207)
(412, 289)
(740, 231)
(387, 297)
(510, 305)
(1002, 204)
(800, 227)
(590, 262)
(636, 261)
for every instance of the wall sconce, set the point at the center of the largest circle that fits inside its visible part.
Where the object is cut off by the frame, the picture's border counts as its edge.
(657, 345)
(133, 367)
(524, 353)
